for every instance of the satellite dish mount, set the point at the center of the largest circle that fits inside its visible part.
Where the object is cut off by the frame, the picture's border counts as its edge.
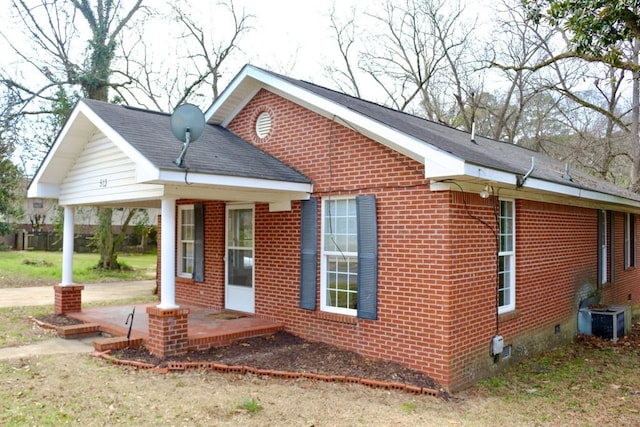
(187, 124)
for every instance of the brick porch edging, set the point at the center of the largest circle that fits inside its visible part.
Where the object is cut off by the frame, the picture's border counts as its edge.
(241, 369)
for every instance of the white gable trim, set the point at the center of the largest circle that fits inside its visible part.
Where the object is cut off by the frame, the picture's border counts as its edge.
(250, 80)
(76, 133)
(439, 165)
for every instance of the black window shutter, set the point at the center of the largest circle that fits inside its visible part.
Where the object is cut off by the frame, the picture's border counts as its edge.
(308, 253)
(198, 261)
(633, 239)
(601, 246)
(367, 257)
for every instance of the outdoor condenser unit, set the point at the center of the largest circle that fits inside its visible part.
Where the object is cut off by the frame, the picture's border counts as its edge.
(608, 323)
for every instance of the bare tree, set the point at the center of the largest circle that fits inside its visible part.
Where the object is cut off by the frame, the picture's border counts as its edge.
(193, 72)
(112, 63)
(345, 35)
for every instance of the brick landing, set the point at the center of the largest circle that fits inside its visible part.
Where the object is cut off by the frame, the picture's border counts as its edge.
(206, 327)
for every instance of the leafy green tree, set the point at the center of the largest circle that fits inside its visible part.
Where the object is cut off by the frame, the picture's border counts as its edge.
(10, 176)
(597, 28)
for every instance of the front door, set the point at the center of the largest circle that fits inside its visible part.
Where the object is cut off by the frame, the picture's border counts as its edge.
(239, 293)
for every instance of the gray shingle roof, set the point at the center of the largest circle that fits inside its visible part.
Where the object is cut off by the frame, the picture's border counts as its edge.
(218, 151)
(484, 152)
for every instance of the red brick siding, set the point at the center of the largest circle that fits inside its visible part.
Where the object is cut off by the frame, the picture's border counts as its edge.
(627, 281)
(210, 292)
(437, 259)
(412, 234)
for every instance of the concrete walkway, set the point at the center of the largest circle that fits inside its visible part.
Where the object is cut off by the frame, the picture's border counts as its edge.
(44, 295)
(50, 346)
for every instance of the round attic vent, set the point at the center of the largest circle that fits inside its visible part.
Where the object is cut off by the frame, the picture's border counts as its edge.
(263, 125)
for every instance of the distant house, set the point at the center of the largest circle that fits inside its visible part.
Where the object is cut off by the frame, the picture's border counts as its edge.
(35, 228)
(357, 225)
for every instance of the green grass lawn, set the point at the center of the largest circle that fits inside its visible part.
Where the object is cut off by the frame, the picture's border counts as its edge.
(29, 268)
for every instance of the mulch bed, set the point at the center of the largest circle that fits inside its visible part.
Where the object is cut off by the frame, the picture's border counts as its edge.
(282, 351)
(59, 320)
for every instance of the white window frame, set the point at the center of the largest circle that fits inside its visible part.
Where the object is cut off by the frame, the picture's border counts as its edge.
(325, 255)
(630, 252)
(603, 266)
(509, 256)
(179, 268)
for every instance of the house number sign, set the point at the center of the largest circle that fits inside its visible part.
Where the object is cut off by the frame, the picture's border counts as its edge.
(103, 182)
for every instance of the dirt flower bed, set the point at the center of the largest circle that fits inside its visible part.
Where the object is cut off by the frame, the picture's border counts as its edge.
(282, 351)
(59, 320)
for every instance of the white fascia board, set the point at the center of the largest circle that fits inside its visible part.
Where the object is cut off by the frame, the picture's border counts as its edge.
(43, 190)
(490, 175)
(46, 162)
(175, 177)
(567, 190)
(113, 200)
(147, 173)
(245, 81)
(230, 194)
(255, 79)
(441, 166)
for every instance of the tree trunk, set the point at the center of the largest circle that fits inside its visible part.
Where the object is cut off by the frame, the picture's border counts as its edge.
(105, 240)
(635, 122)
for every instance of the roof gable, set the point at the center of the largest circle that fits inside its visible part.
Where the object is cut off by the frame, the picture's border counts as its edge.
(139, 144)
(217, 151)
(447, 153)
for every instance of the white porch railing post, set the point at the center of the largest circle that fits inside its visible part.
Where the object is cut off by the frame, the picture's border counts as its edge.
(67, 247)
(168, 254)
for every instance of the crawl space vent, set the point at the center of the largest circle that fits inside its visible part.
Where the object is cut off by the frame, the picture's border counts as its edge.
(263, 125)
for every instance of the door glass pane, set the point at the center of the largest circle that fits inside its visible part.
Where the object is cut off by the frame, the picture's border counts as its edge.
(240, 228)
(240, 247)
(240, 267)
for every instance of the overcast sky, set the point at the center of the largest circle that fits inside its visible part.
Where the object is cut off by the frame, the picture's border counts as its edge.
(292, 37)
(288, 36)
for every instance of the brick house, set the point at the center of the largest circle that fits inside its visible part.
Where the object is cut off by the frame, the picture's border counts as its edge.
(355, 225)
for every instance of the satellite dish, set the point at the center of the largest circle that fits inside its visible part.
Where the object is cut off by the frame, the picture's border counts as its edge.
(187, 124)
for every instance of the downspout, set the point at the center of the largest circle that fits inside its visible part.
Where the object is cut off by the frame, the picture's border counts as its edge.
(520, 181)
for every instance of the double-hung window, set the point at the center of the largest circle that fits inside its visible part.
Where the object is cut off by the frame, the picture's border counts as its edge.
(339, 283)
(629, 240)
(348, 256)
(186, 240)
(606, 273)
(506, 257)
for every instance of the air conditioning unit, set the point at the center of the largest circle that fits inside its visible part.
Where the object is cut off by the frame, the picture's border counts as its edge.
(611, 322)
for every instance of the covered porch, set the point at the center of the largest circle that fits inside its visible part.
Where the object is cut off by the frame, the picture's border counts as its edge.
(113, 156)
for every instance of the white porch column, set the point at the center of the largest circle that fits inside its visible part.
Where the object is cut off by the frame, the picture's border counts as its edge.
(168, 254)
(67, 247)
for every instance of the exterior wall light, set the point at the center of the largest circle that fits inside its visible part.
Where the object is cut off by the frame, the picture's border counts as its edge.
(486, 191)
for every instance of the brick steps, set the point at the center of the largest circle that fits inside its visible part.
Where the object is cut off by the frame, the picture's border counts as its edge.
(115, 343)
(78, 331)
(84, 330)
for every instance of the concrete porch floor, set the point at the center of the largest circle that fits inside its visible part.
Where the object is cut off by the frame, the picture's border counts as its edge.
(207, 327)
